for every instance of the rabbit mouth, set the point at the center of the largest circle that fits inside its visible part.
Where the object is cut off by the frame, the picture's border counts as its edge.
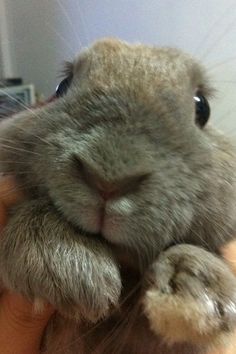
(96, 223)
(83, 232)
(77, 224)
(100, 236)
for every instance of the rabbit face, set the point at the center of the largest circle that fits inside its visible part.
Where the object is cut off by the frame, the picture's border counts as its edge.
(122, 155)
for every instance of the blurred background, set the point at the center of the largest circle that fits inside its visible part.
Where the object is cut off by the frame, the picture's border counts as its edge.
(36, 36)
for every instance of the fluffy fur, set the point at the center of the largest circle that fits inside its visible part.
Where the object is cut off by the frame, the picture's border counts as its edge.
(128, 201)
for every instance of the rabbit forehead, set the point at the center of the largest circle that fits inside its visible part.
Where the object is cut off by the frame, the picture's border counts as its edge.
(111, 62)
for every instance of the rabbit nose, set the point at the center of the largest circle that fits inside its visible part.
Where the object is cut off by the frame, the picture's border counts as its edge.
(109, 193)
(117, 188)
(109, 189)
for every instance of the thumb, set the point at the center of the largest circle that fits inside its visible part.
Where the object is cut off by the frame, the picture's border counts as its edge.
(21, 329)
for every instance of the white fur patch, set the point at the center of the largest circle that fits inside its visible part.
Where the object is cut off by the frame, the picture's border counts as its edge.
(184, 319)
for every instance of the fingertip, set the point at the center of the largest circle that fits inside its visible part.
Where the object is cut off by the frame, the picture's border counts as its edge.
(21, 327)
(3, 216)
(23, 310)
(9, 191)
(229, 253)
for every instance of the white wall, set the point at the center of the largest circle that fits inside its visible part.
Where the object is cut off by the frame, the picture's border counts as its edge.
(43, 33)
(5, 50)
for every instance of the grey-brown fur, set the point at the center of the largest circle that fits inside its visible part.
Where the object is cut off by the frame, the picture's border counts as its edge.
(126, 124)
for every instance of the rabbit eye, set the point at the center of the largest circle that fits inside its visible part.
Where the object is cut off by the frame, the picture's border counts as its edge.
(63, 87)
(202, 109)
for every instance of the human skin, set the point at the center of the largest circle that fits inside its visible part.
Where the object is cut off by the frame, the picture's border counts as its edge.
(229, 253)
(21, 329)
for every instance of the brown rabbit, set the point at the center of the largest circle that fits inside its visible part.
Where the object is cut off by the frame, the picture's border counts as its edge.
(130, 195)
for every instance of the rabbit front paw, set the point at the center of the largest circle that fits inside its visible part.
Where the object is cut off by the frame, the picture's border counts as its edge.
(45, 259)
(192, 297)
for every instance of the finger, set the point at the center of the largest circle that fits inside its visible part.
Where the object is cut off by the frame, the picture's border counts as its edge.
(9, 192)
(3, 216)
(229, 253)
(227, 350)
(21, 329)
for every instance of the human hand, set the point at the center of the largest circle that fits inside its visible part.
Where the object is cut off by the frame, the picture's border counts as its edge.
(21, 329)
(229, 253)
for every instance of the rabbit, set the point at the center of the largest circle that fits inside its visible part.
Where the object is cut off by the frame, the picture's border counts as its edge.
(129, 195)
